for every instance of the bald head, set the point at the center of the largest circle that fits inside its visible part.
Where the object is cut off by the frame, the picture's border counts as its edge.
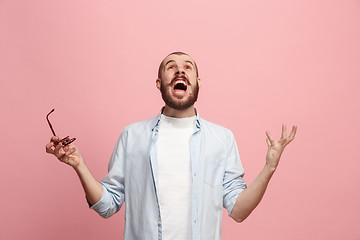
(162, 64)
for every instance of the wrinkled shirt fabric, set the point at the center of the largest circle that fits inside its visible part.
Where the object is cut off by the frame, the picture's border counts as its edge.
(216, 171)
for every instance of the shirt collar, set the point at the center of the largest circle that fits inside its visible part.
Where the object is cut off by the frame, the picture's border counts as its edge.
(158, 117)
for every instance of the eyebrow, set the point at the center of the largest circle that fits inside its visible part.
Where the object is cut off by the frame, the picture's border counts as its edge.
(174, 61)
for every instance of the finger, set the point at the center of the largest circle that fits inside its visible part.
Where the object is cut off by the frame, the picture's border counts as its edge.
(70, 151)
(293, 132)
(49, 148)
(64, 158)
(268, 142)
(67, 155)
(55, 139)
(283, 133)
(57, 150)
(269, 136)
(69, 147)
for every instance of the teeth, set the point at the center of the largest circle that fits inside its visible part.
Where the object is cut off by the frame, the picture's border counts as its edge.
(180, 84)
(180, 81)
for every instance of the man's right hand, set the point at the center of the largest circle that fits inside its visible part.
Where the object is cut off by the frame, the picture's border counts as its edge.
(68, 154)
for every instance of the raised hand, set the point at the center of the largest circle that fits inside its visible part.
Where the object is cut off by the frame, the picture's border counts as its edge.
(68, 154)
(275, 148)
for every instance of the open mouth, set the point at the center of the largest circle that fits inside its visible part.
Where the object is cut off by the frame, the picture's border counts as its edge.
(180, 86)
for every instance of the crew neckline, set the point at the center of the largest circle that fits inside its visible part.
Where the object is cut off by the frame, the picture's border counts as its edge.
(187, 122)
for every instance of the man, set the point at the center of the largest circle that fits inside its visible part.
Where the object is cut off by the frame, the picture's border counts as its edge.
(175, 171)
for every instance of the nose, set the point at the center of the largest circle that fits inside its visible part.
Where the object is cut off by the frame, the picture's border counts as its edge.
(180, 71)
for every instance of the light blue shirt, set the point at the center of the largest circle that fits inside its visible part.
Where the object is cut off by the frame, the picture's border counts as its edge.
(133, 178)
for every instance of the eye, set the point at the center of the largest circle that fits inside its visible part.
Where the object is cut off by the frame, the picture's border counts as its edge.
(188, 67)
(170, 67)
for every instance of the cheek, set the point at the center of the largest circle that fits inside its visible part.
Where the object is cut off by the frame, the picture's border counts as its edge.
(193, 80)
(192, 75)
(166, 79)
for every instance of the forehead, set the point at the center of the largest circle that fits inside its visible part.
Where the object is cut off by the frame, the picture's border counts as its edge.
(177, 59)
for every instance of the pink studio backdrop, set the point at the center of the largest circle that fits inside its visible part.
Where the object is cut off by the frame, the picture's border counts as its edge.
(262, 63)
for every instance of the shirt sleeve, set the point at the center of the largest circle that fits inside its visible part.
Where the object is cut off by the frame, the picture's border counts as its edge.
(113, 183)
(233, 182)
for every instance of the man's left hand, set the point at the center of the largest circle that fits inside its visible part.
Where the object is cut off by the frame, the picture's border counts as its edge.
(277, 147)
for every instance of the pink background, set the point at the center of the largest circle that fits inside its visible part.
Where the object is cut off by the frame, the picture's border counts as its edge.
(262, 63)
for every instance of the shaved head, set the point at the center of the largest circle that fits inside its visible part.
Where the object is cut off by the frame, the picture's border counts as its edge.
(162, 64)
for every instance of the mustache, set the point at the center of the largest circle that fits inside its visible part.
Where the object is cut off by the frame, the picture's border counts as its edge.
(183, 77)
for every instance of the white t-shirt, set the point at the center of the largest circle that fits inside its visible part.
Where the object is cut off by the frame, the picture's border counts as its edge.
(175, 176)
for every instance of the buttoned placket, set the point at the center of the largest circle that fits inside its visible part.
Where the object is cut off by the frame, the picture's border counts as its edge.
(155, 173)
(194, 146)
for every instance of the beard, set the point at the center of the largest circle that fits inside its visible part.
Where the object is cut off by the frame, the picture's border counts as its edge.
(179, 103)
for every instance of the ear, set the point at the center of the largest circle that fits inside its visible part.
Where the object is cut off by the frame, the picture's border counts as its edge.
(158, 83)
(199, 82)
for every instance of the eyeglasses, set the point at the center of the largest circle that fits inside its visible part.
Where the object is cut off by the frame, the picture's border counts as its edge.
(66, 140)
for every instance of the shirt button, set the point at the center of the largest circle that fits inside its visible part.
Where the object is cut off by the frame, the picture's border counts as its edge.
(194, 174)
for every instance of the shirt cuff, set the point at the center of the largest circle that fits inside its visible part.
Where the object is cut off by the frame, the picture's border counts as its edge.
(230, 201)
(98, 204)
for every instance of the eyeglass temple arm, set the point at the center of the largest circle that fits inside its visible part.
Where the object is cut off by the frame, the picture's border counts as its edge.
(47, 118)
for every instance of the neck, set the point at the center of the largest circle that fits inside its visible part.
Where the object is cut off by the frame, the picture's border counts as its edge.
(170, 112)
